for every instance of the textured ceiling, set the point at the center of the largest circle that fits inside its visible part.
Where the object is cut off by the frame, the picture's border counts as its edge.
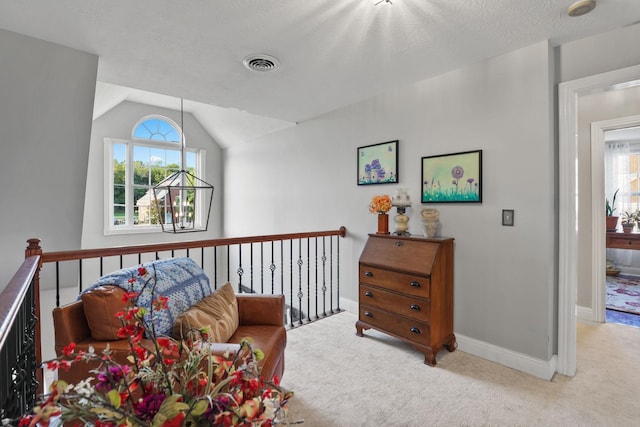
(332, 53)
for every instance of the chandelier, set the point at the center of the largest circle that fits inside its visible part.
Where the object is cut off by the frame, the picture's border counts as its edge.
(183, 200)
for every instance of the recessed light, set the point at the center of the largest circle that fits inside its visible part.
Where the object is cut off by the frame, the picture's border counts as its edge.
(581, 7)
(260, 62)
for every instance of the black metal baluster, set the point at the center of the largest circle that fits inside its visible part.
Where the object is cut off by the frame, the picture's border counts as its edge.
(338, 271)
(324, 277)
(316, 278)
(300, 294)
(272, 267)
(331, 274)
(308, 280)
(240, 270)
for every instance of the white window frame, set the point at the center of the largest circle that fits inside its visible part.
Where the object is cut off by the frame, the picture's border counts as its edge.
(129, 227)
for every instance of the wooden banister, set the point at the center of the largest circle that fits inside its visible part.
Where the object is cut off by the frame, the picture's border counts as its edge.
(162, 247)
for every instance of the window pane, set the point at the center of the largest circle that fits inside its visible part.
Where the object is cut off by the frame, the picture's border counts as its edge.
(190, 161)
(157, 157)
(141, 174)
(118, 215)
(120, 152)
(156, 129)
(142, 198)
(173, 158)
(141, 154)
(119, 196)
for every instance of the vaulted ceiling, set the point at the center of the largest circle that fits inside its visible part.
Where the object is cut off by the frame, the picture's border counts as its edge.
(331, 53)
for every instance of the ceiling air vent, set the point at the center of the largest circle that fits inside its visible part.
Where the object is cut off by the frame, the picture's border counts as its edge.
(260, 62)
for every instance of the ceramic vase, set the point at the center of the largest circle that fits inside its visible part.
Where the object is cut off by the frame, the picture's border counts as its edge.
(383, 223)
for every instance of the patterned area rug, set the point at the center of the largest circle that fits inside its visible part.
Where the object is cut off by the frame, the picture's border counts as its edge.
(623, 293)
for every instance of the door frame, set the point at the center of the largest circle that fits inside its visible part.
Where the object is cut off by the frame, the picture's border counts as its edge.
(598, 253)
(568, 94)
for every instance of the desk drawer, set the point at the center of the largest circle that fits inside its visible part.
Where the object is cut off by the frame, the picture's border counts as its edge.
(415, 308)
(623, 241)
(405, 283)
(410, 329)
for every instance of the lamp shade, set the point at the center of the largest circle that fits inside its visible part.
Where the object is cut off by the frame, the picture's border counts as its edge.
(401, 199)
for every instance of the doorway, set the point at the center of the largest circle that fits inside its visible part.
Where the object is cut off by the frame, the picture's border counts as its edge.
(619, 129)
(569, 93)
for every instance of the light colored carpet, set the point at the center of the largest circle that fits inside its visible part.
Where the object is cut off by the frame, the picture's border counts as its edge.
(340, 379)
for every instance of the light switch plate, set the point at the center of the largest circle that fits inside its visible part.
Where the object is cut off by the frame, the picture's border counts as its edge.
(507, 217)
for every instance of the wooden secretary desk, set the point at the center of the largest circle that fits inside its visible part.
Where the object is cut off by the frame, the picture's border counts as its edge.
(406, 290)
(623, 240)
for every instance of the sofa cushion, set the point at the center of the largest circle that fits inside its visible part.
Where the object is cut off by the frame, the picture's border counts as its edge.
(181, 280)
(218, 311)
(100, 305)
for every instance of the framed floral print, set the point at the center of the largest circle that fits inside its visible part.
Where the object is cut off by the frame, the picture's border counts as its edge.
(378, 163)
(452, 178)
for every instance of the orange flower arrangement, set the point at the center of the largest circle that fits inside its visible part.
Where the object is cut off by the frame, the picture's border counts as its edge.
(380, 204)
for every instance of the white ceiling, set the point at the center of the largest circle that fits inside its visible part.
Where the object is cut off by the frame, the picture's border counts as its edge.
(332, 53)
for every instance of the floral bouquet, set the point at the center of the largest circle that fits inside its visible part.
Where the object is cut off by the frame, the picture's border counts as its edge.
(380, 204)
(167, 384)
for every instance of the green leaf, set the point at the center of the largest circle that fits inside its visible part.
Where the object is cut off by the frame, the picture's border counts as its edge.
(114, 398)
(200, 407)
(169, 409)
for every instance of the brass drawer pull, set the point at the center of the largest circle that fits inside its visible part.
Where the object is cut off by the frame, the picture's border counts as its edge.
(415, 307)
(368, 314)
(414, 284)
(368, 294)
(368, 274)
(415, 330)
(399, 243)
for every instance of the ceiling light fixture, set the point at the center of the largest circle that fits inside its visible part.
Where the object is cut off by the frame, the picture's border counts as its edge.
(581, 7)
(182, 201)
(261, 62)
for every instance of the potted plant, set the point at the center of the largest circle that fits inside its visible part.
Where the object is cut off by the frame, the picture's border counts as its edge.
(630, 220)
(612, 221)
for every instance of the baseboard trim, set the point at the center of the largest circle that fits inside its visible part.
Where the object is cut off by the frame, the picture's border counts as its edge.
(521, 362)
(544, 369)
(349, 305)
(585, 313)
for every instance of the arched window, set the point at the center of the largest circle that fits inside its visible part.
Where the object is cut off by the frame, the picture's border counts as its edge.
(137, 165)
(156, 128)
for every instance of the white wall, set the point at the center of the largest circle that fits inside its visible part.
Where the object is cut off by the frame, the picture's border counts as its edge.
(46, 104)
(304, 178)
(118, 123)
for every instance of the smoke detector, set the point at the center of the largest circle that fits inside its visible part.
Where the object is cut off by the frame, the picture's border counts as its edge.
(261, 62)
(581, 7)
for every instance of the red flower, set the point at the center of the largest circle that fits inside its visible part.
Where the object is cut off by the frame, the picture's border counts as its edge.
(142, 271)
(128, 296)
(161, 303)
(68, 350)
(175, 422)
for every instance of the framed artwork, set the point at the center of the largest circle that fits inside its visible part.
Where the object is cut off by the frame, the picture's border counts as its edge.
(378, 163)
(452, 178)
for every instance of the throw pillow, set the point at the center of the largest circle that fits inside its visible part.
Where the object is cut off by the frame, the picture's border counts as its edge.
(218, 311)
(181, 280)
(100, 306)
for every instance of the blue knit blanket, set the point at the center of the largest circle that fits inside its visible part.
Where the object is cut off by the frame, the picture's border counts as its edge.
(181, 280)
